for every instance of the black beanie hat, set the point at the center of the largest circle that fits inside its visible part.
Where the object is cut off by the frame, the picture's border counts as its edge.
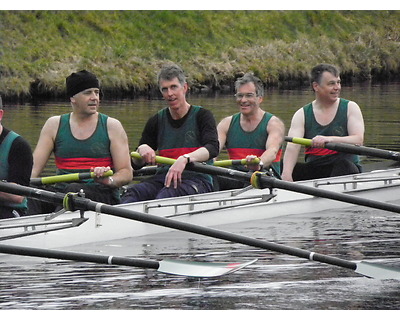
(79, 81)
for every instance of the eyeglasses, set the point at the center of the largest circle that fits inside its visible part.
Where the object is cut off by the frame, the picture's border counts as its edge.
(240, 96)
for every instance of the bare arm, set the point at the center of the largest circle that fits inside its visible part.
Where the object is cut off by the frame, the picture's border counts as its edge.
(222, 129)
(292, 150)
(120, 154)
(276, 133)
(45, 145)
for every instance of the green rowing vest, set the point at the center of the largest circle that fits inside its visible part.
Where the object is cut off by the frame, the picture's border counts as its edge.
(5, 147)
(173, 142)
(337, 127)
(240, 143)
(73, 155)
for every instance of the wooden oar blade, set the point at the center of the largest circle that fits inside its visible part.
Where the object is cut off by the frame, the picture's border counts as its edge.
(200, 269)
(377, 271)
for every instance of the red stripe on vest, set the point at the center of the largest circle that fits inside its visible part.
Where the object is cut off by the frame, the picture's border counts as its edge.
(319, 151)
(82, 163)
(175, 153)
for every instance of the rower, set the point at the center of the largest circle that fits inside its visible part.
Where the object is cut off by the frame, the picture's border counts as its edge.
(15, 166)
(251, 133)
(327, 119)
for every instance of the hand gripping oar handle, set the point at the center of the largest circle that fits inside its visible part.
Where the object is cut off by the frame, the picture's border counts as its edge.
(67, 177)
(350, 148)
(159, 159)
(87, 204)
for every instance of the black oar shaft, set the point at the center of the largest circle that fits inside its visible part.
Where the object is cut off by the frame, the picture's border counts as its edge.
(350, 148)
(364, 151)
(223, 235)
(76, 256)
(86, 204)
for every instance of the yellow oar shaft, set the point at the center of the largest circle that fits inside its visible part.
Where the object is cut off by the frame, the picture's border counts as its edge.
(220, 163)
(302, 141)
(159, 159)
(67, 177)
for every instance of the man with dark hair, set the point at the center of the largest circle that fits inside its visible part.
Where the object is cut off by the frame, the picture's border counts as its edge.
(15, 167)
(327, 119)
(84, 140)
(180, 131)
(252, 132)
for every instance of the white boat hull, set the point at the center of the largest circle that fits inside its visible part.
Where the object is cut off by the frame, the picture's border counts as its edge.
(380, 185)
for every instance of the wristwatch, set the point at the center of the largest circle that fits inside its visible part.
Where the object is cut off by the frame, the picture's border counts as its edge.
(111, 180)
(187, 157)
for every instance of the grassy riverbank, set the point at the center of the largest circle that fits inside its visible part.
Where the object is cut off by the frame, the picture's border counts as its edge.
(38, 49)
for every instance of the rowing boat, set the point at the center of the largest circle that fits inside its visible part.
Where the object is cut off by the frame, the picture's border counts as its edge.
(66, 228)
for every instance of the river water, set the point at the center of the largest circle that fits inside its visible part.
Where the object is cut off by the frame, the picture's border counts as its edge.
(275, 282)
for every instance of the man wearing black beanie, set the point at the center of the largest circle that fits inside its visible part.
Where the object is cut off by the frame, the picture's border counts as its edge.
(84, 140)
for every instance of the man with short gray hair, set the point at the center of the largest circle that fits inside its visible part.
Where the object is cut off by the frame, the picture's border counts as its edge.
(252, 132)
(180, 131)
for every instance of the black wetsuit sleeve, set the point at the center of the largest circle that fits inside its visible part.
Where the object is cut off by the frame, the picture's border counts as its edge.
(208, 132)
(20, 162)
(150, 133)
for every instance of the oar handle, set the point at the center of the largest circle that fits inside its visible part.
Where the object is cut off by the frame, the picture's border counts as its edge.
(159, 159)
(302, 141)
(67, 177)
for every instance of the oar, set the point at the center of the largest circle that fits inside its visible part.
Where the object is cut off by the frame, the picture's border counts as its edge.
(260, 180)
(363, 268)
(66, 178)
(350, 148)
(181, 268)
(220, 163)
(228, 163)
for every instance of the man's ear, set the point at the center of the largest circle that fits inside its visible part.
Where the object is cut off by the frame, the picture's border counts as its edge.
(315, 86)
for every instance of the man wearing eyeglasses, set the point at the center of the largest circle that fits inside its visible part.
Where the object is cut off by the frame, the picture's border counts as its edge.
(252, 132)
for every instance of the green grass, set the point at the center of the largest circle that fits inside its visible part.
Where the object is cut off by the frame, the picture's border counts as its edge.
(126, 48)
